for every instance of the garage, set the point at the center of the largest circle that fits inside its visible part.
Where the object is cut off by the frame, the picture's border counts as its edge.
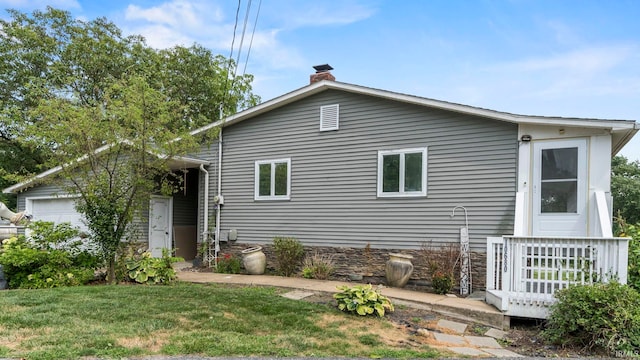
(57, 210)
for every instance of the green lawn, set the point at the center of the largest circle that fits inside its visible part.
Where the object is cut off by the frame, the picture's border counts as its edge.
(210, 320)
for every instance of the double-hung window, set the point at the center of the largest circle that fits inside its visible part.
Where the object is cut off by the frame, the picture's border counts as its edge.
(273, 179)
(402, 173)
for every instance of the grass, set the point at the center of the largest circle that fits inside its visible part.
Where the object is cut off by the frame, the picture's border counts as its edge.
(208, 320)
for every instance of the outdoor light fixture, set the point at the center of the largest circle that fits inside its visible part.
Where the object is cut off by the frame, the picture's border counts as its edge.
(525, 138)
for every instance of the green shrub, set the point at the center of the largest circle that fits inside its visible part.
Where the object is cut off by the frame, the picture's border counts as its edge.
(289, 253)
(362, 300)
(605, 316)
(633, 267)
(147, 270)
(442, 283)
(229, 264)
(52, 258)
(317, 267)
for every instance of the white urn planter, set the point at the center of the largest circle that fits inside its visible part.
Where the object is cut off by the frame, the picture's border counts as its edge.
(398, 270)
(254, 260)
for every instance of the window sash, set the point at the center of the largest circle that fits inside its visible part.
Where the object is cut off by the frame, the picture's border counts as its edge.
(402, 172)
(273, 179)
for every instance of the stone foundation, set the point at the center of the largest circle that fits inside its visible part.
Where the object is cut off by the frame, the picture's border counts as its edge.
(370, 263)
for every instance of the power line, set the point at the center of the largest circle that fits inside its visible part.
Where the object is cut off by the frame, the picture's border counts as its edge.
(244, 30)
(226, 89)
(255, 24)
(235, 27)
(229, 89)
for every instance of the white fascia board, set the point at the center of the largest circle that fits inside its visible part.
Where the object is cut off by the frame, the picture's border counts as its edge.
(19, 186)
(613, 125)
(266, 106)
(45, 174)
(177, 162)
(181, 162)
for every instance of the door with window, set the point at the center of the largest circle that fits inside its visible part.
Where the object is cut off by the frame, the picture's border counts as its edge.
(560, 188)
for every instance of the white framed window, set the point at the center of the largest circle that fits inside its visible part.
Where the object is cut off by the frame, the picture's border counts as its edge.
(402, 173)
(273, 179)
(329, 117)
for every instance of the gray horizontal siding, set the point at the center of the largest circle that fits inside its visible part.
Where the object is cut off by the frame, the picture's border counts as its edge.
(42, 191)
(471, 162)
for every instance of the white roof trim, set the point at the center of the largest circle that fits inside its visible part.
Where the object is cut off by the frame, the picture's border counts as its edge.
(613, 125)
(177, 162)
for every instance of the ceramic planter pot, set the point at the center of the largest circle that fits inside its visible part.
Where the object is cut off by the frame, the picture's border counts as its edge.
(254, 260)
(398, 270)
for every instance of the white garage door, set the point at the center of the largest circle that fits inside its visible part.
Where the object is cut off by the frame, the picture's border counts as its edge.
(55, 210)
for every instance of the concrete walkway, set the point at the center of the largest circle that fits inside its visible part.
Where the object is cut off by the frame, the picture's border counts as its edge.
(448, 335)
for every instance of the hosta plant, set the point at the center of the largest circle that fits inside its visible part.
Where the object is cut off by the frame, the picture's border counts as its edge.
(362, 300)
(148, 270)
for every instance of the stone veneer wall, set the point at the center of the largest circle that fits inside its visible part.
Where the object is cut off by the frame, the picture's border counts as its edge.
(369, 262)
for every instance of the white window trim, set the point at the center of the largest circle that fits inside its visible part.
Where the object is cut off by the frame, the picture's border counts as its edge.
(324, 112)
(403, 193)
(256, 192)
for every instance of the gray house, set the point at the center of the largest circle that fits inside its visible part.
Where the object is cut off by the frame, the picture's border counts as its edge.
(337, 165)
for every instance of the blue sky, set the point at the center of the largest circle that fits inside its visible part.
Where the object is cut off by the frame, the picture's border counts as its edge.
(573, 58)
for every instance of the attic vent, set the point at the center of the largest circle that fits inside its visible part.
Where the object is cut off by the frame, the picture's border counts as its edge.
(329, 117)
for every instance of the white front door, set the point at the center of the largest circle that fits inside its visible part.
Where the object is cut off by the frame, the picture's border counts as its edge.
(560, 188)
(160, 220)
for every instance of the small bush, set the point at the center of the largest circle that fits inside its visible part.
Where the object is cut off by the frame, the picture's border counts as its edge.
(147, 270)
(442, 262)
(442, 283)
(229, 264)
(53, 258)
(362, 300)
(603, 316)
(289, 253)
(633, 268)
(317, 267)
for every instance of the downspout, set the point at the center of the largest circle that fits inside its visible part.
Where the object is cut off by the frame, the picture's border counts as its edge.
(219, 205)
(205, 232)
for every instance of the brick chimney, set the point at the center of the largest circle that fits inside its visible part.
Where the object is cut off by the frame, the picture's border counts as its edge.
(323, 72)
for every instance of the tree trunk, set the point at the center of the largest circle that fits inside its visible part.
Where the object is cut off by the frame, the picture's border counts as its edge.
(111, 271)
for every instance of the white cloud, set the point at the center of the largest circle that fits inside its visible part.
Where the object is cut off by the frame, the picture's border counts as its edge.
(587, 60)
(180, 22)
(581, 73)
(176, 22)
(273, 53)
(562, 33)
(162, 37)
(175, 14)
(325, 13)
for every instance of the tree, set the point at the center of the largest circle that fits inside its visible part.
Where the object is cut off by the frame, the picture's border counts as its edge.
(114, 155)
(48, 54)
(108, 110)
(625, 188)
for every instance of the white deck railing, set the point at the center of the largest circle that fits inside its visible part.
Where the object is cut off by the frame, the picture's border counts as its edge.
(523, 272)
